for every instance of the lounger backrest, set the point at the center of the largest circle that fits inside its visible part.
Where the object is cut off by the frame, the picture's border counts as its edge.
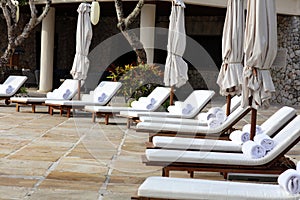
(195, 102)
(66, 90)
(105, 91)
(12, 84)
(277, 120)
(160, 94)
(284, 140)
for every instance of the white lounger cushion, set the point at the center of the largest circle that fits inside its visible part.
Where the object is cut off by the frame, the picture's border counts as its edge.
(68, 84)
(235, 103)
(283, 139)
(160, 94)
(14, 82)
(197, 99)
(191, 128)
(108, 88)
(184, 188)
(269, 127)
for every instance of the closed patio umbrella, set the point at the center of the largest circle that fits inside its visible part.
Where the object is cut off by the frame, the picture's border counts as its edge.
(176, 68)
(260, 52)
(230, 75)
(83, 40)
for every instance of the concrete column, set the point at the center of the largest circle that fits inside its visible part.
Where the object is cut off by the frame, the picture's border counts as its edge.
(147, 33)
(47, 52)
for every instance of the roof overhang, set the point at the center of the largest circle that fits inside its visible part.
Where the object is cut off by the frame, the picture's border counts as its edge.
(286, 7)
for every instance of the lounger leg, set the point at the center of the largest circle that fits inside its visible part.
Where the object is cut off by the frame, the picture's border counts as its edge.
(191, 173)
(128, 122)
(50, 110)
(165, 172)
(17, 107)
(61, 111)
(7, 101)
(93, 117)
(225, 175)
(68, 112)
(33, 108)
(106, 119)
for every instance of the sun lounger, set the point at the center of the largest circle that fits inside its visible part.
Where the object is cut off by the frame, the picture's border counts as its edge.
(154, 188)
(102, 94)
(66, 91)
(199, 119)
(189, 108)
(192, 130)
(274, 162)
(270, 127)
(10, 87)
(150, 103)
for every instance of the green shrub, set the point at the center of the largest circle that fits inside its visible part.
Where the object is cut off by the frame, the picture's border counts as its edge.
(138, 80)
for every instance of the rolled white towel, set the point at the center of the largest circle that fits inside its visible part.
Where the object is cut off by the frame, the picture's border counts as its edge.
(253, 150)
(176, 108)
(298, 166)
(213, 123)
(258, 129)
(211, 113)
(265, 141)
(138, 105)
(143, 99)
(289, 180)
(221, 115)
(239, 137)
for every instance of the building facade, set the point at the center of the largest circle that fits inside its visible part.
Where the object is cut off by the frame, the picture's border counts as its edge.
(204, 25)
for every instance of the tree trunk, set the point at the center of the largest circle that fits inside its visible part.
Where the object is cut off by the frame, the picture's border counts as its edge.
(15, 40)
(123, 25)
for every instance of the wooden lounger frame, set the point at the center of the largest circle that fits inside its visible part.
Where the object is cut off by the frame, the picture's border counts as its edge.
(222, 135)
(276, 166)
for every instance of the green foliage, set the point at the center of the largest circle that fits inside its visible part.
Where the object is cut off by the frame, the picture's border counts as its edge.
(23, 90)
(22, 2)
(138, 80)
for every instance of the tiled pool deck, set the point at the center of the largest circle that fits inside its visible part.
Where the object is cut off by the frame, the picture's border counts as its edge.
(53, 157)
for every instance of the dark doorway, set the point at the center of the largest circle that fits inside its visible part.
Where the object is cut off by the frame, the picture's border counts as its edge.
(213, 45)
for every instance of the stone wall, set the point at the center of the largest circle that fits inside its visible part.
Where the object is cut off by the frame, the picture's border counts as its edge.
(287, 78)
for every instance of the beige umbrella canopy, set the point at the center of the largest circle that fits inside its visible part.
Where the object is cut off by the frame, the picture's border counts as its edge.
(230, 76)
(260, 51)
(176, 68)
(83, 40)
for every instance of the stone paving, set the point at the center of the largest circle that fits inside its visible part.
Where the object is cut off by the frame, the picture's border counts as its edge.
(53, 157)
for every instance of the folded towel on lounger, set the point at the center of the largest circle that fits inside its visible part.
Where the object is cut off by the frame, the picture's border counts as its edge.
(9, 89)
(102, 97)
(66, 94)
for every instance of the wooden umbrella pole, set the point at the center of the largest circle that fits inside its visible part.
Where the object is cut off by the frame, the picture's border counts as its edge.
(172, 95)
(79, 86)
(253, 123)
(228, 102)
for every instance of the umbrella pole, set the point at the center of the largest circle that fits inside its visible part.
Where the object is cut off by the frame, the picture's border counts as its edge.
(172, 96)
(253, 119)
(79, 86)
(228, 102)
(253, 123)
